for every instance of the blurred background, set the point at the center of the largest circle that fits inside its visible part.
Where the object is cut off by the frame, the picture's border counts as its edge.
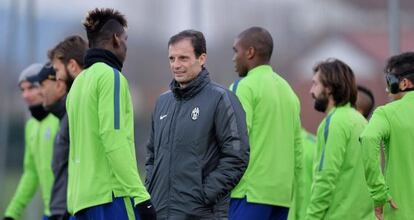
(361, 33)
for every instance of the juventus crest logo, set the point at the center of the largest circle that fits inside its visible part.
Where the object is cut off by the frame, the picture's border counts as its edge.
(47, 133)
(195, 113)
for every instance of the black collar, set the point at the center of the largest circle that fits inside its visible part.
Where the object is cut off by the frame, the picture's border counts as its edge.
(38, 112)
(193, 88)
(95, 55)
(59, 108)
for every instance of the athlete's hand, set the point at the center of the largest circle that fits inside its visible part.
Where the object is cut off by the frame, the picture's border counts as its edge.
(146, 210)
(378, 212)
(379, 209)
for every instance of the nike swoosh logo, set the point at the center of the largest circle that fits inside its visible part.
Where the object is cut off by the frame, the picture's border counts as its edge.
(162, 117)
(148, 207)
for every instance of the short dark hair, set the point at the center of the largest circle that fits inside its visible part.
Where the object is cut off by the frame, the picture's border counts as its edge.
(370, 106)
(102, 24)
(401, 64)
(340, 79)
(197, 40)
(260, 39)
(72, 47)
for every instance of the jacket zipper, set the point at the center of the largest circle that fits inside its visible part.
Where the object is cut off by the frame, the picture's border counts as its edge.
(171, 137)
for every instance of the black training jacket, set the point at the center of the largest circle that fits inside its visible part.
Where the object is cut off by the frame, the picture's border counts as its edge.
(59, 164)
(197, 152)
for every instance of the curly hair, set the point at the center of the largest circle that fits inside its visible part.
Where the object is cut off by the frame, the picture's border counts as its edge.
(101, 24)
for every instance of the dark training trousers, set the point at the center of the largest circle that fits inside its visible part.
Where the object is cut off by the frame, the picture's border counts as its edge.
(119, 209)
(240, 209)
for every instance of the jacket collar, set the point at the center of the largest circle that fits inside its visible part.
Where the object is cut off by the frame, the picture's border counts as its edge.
(408, 95)
(265, 68)
(193, 88)
(95, 55)
(333, 109)
(38, 112)
(59, 108)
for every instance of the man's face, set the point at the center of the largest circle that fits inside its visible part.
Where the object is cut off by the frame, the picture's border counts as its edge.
(240, 58)
(62, 72)
(31, 93)
(319, 93)
(183, 62)
(121, 50)
(49, 89)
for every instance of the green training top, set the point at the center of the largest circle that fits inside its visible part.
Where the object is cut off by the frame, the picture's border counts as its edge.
(298, 209)
(37, 165)
(392, 124)
(273, 122)
(339, 190)
(102, 159)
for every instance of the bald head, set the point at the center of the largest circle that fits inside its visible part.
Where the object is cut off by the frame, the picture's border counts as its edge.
(365, 101)
(259, 39)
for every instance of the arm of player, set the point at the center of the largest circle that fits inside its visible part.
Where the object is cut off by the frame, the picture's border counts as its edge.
(116, 124)
(27, 185)
(231, 134)
(149, 163)
(325, 179)
(377, 128)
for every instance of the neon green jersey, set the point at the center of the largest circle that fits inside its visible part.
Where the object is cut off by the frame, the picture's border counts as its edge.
(339, 190)
(301, 201)
(273, 123)
(393, 125)
(37, 168)
(102, 159)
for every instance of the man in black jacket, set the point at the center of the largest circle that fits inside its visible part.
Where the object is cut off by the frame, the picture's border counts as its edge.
(67, 61)
(198, 148)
